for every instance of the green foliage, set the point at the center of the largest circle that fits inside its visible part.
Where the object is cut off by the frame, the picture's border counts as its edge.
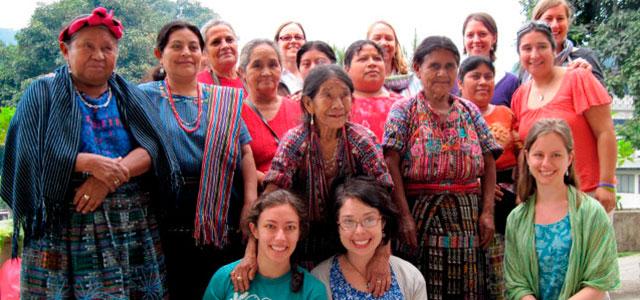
(8, 76)
(6, 113)
(340, 52)
(38, 50)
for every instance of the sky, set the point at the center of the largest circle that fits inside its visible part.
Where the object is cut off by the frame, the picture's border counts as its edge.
(340, 22)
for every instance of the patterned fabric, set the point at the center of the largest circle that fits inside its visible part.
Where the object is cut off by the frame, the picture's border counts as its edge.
(342, 289)
(298, 166)
(592, 259)
(494, 255)
(102, 130)
(205, 77)
(112, 253)
(372, 112)
(43, 141)
(502, 123)
(553, 245)
(433, 150)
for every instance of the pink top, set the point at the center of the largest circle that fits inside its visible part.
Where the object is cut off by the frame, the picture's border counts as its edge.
(372, 112)
(205, 77)
(579, 91)
(263, 142)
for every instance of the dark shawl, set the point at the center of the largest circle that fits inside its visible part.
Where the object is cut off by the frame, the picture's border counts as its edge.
(43, 141)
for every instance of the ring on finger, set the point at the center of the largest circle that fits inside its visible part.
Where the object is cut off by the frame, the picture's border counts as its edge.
(239, 277)
(86, 197)
(116, 181)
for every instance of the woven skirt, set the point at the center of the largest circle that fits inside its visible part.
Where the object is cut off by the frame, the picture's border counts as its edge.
(449, 253)
(111, 253)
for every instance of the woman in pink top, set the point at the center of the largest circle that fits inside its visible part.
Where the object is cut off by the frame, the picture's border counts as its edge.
(364, 63)
(268, 116)
(221, 49)
(575, 96)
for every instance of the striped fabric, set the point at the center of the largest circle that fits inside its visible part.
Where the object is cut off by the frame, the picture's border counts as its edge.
(43, 141)
(221, 150)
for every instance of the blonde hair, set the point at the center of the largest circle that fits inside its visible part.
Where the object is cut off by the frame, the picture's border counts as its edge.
(544, 5)
(526, 182)
(399, 63)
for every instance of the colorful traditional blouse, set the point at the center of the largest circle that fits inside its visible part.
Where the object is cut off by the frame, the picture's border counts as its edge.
(189, 147)
(434, 150)
(265, 137)
(502, 124)
(579, 92)
(553, 245)
(298, 163)
(342, 289)
(102, 130)
(372, 112)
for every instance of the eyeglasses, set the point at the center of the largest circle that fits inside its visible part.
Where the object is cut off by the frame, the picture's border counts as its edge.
(352, 224)
(290, 37)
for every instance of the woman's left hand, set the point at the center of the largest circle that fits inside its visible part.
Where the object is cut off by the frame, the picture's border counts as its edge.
(378, 275)
(580, 63)
(487, 229)
(90, 195)
(606, 198)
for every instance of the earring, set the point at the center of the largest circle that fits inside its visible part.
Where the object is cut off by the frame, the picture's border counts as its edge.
(311, 120)
(161, 71)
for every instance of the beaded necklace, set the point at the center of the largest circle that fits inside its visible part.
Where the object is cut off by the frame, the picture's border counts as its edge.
(181, 122)
(95, 106)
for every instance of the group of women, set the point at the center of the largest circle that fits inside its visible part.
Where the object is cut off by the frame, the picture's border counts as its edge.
(385, 179)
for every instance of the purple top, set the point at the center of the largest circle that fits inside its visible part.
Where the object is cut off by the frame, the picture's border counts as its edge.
(504, 89)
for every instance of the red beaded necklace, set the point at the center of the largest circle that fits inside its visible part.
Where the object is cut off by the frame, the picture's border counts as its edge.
(182, 123)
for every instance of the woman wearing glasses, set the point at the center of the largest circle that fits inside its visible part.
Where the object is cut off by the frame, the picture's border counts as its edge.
(574, 95)
(365, 217)
(290, 37)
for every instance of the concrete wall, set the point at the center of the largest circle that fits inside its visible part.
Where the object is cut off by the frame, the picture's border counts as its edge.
(627, 226)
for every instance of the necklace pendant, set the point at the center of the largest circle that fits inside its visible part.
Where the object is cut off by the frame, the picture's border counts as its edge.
(541, 98)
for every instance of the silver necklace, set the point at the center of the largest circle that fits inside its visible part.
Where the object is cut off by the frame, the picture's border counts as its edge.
(95, 106)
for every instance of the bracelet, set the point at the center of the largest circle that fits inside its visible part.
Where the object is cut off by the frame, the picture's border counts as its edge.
(606, 184)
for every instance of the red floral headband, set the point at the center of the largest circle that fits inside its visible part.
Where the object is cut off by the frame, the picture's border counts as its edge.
(98, 16)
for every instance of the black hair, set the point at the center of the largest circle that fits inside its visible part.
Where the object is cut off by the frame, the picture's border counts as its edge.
(434, 43)
(317, 77)
(473, 62)
(316, 45)
(371, 193)
(163, 39)
(355, 47)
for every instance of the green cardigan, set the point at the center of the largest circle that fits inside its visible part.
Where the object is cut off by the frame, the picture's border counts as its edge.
(592, 260)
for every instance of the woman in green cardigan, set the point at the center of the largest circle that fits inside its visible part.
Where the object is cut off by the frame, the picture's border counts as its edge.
(559, 242)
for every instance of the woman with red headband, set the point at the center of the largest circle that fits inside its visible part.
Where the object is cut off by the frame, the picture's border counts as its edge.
(75, 153)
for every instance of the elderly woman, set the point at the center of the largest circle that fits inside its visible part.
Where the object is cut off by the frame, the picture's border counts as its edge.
(476, 80)
(437, 146)
(75, 153)
(557, 14)
(313, 154)
(276, 221)
(268, 116)
(221, 48)
(371, 100)
(290, 36)
(560, 242)
(575, 96)
(313, 54)
(364, 218)
(480, 38)
(397, 72)
(212, 147)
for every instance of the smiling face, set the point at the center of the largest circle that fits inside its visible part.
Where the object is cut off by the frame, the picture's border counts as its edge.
(181, 57)
(536, 53)
(556, 17)
(310, 60)
(363, 239)
(277, 232)
(91, 56)
(263, 72)
(383, 35)
(367, 70)
(437, 72)
(331, 105)
(477, 39)
(548, 159)
(290, 40)
(478, 85)
(221, 48)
